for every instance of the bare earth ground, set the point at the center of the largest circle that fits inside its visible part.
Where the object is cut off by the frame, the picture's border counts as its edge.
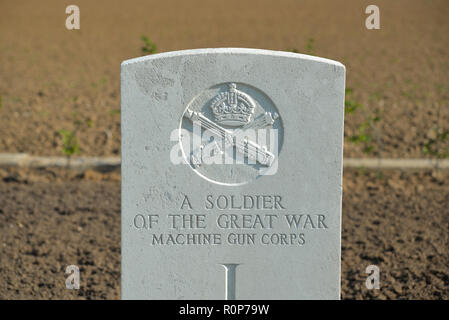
(51, 77)
(398, 222)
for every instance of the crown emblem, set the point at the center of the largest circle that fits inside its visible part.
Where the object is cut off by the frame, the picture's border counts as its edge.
(233, 107)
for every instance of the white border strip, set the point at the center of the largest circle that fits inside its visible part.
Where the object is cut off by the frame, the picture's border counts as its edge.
(28, 161)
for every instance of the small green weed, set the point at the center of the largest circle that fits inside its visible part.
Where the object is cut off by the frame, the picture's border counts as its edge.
(432, 147)
(70, 144)
(310, 46)
(437, 140)
(367, 134)
(148, 47)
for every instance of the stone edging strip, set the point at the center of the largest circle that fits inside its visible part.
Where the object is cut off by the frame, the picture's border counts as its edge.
(108, 163)
(401, 163)
(24, 160)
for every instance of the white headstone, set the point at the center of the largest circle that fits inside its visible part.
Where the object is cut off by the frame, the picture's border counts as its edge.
(231, 175)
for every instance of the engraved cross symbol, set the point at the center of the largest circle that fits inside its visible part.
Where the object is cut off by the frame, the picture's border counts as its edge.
(230, 269)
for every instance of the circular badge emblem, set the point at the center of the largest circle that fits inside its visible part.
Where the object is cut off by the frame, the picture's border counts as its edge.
(231, 134)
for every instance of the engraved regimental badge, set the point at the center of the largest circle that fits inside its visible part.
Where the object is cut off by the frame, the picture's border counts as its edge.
(232, 134)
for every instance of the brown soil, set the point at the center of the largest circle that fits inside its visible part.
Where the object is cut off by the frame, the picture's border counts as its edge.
(50, 77)
(398, 221)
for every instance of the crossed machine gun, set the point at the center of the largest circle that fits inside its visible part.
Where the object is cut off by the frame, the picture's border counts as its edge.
(248, 148)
